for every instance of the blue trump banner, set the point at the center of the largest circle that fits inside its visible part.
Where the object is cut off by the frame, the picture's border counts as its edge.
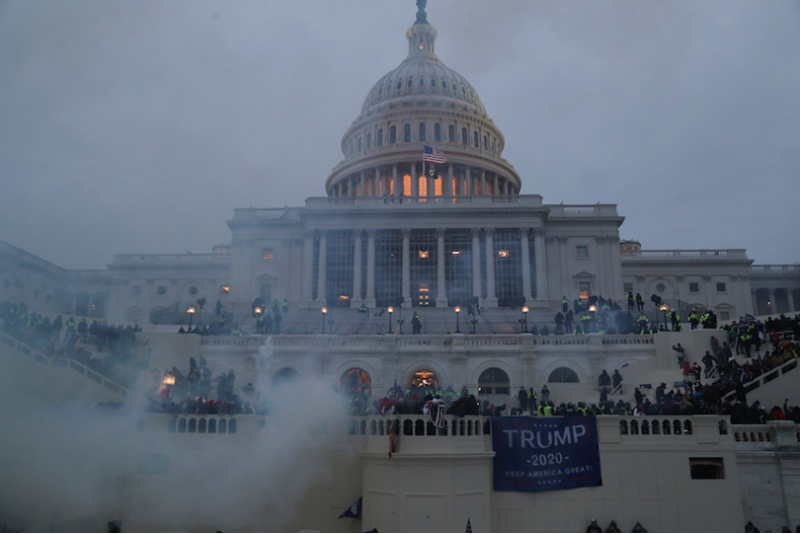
(545, 453)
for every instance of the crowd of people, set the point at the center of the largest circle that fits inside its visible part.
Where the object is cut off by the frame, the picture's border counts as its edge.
(114, 352)
(612, 527)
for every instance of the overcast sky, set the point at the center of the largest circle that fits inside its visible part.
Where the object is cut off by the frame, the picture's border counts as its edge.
(137, 127)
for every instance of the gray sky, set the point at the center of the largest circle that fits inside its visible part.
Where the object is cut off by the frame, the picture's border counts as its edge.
(137, 127)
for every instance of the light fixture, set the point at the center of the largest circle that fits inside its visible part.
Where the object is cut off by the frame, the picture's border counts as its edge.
(502, 254)
(169, 379)
(258, 310)
(592, 308)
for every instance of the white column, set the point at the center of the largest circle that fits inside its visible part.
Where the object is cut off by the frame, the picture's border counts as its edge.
(323, 263)
(448, 191)
(441, 289)
(491, 298)
(398, 188)
(406, 280)
(483, 182)
(308, 264)
(526, 263)
(356, 298)
(495, 190)
(371, 268)
(476, 262)
(540, 259)
(468, 186)
(414, 180)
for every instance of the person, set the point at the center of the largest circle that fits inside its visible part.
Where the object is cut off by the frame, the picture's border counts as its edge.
(559, 323)
(531, 400)
(416, 323)
(523, 398)
(638, 528)
(285, 306)
(639, 302)
(545, 395)
(637, 394)
(616, 379)
(631, 302)
(594, 527)
(564, 304)
(708, 361)
(694, 320)
(660, 393)
(568, 321)
(681, 354)
(604, 379)
(675, 319)
(642, 321)
(750, 527)
(613, 527)
(363, 308)
(276, 323)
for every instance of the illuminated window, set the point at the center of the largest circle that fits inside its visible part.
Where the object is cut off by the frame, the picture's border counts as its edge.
(268, 254)
(424, 294)
(502, 254)
(425, 378)
(582, 251)
(585, 289)
(423, 253)
(224, 290)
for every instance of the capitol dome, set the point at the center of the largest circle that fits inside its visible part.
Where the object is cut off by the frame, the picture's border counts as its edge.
(420, 103)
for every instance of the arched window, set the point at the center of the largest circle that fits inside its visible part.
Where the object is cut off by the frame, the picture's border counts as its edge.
(493, 381)
(451, 133)
(356, 380)
(444, 84)
(433, 83)
(380, 137)
(422, 82)
(485, 143)
(474, 140)
(359, 144)
(410, 83)
(369, 140)
(406, 133)
(392, 135)
(286, 375)
(388, 88)
(399, 84)
(437, 132)
(464, 140)
(563, 375)
(422, 131)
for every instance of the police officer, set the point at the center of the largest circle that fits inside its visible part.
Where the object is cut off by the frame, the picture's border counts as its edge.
(416, 323)
(693, 320)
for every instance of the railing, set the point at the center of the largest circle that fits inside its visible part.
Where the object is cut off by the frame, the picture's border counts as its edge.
(663, 425)
(169, 258)
(524, 200)
(752, 433)
(582, 210)
(419, 425)
(630, 339)
(204, 424)
(765, 269)
(722, 254)
(765, 378)
(64, 362)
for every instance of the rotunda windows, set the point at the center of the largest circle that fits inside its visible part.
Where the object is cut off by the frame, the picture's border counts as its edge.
(422, 82)
(433, 83)
(399, 84)
(475, 140)
(451, 134)
(406, 133)
(464, 140)
(410, 83)
(422, 131)
(392, 135)
(437, 132)
(444, 84)
(369, 140)
(380, 137)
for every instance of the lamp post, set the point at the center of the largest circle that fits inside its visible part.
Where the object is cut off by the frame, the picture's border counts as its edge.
(458, 315)
(664, 307)
(191, 310)
(524, 320)
(324, 311)
(390, 309)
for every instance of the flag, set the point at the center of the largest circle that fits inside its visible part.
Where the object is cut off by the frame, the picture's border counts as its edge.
(354, 511)
(434, 156)
(469, 526)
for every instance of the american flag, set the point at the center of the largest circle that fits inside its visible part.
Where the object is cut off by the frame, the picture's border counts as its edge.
(433, 155)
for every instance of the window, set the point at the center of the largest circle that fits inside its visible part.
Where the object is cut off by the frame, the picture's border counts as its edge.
(437, 132)
(399, 84)
(267, 254)
(627, 288)
(661, 288)
(410, 83)
(406, 133)
(464, 136)
(582, 251)
(725, 315)
(392, 135)
(136, 290)
(485, 143)
(422, 81)
(433, 83)
(584, 289)
(451, 133)
(162, 290)
(563, 375)
(707, 468)
(721, 287)
(388, 88)
(694, 287)
(380, 137)
(422, 131)
(493, 381)
(444, 85)
(193, 290)
(475, 140)
(369, 140)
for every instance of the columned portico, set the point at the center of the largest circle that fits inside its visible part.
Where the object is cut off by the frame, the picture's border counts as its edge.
(406, 278)
(540, 259)
(476, 262)
(491, 298)
(356, 268)
(370, 301)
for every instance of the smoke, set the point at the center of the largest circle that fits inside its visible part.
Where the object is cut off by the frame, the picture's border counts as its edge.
(71, 467)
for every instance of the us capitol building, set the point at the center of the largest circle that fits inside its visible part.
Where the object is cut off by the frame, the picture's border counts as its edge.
(397, 234)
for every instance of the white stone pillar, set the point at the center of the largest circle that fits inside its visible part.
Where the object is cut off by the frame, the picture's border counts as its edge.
(540, 259)
(397, 188)
(371, 268)
(468, 185)
(495, 183)
(491, 297)
(414, 180)
(322, 268)
(441, 288)
(476, 262)
(356, 298)
(526, 263)
(448, 191)
(483, 182)
(361, 185)
(406, 280)
(308, 265)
